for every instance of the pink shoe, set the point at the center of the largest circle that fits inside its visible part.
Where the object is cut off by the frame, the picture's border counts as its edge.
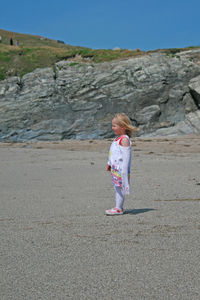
(114, 211)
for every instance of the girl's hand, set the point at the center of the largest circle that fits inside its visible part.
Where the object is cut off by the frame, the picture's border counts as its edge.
(108, 168)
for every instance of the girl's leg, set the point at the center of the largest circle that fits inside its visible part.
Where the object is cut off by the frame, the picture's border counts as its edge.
(119, 197)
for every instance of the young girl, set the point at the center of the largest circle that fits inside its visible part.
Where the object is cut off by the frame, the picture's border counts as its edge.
(119, 162)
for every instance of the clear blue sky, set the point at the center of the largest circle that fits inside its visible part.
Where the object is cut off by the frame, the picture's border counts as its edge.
(130, 24)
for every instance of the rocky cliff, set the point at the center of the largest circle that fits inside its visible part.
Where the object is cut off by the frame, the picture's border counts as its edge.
(160, 93)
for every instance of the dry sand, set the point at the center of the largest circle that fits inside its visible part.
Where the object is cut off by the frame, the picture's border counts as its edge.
(56, 242)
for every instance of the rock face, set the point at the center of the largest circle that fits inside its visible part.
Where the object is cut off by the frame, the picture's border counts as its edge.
(160, 94)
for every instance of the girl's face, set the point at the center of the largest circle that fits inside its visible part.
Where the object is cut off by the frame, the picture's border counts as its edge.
(118, 130)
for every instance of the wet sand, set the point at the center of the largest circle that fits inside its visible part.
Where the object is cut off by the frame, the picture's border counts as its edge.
(182, 144)
(56, 242)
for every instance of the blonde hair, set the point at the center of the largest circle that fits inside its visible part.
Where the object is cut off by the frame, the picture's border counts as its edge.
(124, 121)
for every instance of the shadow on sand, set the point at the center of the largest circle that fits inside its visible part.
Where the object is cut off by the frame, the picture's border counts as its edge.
(137, 211)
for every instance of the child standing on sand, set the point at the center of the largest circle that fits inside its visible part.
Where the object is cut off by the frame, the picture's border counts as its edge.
(119, 162)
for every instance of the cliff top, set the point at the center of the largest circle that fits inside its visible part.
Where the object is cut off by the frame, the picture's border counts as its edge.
(29, 52)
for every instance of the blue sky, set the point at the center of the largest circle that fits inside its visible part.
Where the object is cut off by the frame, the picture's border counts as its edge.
(129, 24)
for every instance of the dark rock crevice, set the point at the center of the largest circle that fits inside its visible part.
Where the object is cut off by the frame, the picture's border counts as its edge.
(196, 98)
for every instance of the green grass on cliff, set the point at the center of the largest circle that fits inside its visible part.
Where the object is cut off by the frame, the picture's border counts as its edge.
(38, 52)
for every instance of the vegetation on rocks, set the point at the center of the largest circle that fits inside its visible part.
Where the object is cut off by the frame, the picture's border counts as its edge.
(37, 52)
(33, 52)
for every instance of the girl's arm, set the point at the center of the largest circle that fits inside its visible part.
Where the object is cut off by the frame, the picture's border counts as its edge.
(125, 142)
(126, 156)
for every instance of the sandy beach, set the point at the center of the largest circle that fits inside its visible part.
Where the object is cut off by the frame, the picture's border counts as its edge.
(57, 243)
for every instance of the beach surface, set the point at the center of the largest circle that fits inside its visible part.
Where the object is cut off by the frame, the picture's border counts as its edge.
(57, 243)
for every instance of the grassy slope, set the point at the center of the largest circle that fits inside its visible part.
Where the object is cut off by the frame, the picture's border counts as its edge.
(37, 52)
